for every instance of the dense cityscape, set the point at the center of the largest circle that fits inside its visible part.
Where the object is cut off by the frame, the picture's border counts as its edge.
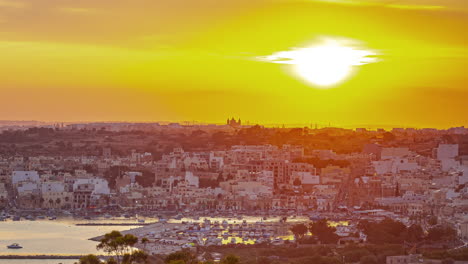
(233, 132)
(234, 192)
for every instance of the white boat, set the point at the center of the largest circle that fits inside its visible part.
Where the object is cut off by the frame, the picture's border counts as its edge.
(14, 246)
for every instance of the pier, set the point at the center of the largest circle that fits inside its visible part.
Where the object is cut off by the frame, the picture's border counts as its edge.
(113, 224)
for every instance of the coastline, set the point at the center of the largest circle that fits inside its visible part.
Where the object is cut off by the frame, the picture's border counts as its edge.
(41, 256)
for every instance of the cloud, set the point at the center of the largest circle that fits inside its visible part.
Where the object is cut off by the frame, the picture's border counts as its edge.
(407, 4)
(417, 7)
(12, 4)
(79, 10)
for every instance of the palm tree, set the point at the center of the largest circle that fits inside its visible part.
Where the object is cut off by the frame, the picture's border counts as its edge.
(144, 241)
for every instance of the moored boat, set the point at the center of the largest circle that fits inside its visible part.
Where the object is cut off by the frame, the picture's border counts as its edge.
(14, 246)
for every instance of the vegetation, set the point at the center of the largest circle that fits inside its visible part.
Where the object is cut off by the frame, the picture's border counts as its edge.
(370, 259)
(181, 257)
(299, 231)
(457, 254)
(230, 259)
(325, 233)
(90, 259)
(121, 247)
(441, 233)
(322, 254)
(432, 221)
(389, 231)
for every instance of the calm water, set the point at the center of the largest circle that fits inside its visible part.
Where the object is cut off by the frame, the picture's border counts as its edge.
(50, 237)
(37, 261)
(63, 237)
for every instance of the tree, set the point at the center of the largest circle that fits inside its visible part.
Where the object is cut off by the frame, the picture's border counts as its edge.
(180, 257)
(263, 260)
(135, 258)
(118, 245)
(370, 259)
(387, 231)
(432, 221)
(297, 182)
(325, 234)
(144, 241)
(111, 261)
(414, 234)
(387, 136)
(90, 259)
(448, 261)
(231, 259)
(441, 233)
(299, 231)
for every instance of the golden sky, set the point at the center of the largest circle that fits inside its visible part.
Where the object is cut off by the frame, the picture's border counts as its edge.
(174, 60)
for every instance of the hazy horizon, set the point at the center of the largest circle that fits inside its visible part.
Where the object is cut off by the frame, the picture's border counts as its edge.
(311, 125)
(270, 61)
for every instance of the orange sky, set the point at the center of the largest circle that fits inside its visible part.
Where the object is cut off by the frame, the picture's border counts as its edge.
(174, 60)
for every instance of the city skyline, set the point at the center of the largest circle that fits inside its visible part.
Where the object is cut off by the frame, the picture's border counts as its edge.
(400, 62)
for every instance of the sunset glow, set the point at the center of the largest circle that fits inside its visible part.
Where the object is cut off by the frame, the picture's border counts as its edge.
(343, 62)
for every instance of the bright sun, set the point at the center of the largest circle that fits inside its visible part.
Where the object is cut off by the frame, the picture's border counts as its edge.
(326, 63)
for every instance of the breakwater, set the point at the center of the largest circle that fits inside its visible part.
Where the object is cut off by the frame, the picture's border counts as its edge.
(113, 224)
(41, 256)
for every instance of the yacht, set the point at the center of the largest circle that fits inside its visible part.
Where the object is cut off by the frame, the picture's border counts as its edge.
(14, 246)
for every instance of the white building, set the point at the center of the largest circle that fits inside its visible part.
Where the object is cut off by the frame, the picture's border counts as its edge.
(24, 176)
(191, 179)
(266, 178)
(27, 187)
(101, 186)
(52, 187)
(447, 151)
(306, 178)
(390, 153)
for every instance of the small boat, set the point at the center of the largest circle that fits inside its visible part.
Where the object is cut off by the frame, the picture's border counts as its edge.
(14, 246)
(178, 217)
(30, 218)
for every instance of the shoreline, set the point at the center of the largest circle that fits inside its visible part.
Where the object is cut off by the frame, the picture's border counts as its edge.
(41, 256)
(113, 224)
